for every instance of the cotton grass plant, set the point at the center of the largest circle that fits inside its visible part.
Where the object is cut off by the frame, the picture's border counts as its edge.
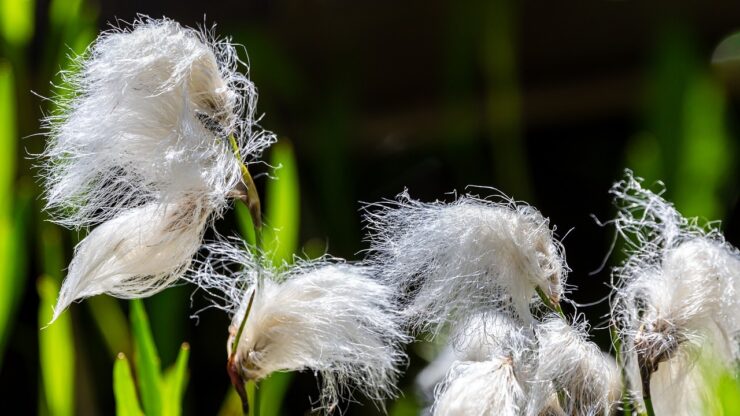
(154, 141)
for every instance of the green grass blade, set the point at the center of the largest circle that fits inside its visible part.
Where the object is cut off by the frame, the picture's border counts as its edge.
(56, 352)
(17, 21)
(232, 404)
(10, 286)
(283, 205)
(146, 359)
(127, 404)
(272, 393)
(244, 221)
(175, 382)
(111, 322)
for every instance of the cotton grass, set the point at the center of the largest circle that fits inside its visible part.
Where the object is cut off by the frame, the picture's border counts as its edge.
(454, 260)
(146, 146)
(678, 296)
(326, 316)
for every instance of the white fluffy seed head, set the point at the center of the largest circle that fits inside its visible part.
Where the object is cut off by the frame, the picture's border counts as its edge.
(465, 257)
(482, 388)
(326, 316)
(480, 338)
(678, 289)
(136, 254)
(146, 117)
(589, 379)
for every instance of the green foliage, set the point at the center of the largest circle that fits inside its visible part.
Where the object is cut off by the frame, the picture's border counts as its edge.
(283, 205)
(146, 360)
(127, 404)
(10, 249)
(17, 21)
(175, 380)
(56, 352)
(161, 394)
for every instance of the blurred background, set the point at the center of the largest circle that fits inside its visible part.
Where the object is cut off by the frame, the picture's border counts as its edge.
(548, 102)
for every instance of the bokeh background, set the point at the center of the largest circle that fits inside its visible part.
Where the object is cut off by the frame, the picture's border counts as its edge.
(548, 102)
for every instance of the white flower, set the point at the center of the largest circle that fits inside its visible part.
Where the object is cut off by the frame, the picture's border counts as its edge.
(135, 254)
(678, 294)
(588, 378)
(147, 118)
(326, 316)
(465, 257)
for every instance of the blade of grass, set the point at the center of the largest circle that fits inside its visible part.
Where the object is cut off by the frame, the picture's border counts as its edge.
(111, 322)
(146, 360)
(9, 286)
(127, 404)
(175, 382)
(56, 352)
(17, 21)
(244, 220)
(272, 393)
(283, 205)
(232, 404)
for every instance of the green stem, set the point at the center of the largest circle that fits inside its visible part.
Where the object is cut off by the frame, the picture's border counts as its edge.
(645, 374)
(253, 393)
(252, 197)
(252, 200)
(555, 307)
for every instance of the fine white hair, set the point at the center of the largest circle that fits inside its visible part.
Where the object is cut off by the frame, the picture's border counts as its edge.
(471, 255)
(325, 315)
(588, 379)
(482, 388)
(145, 117)
(135, 254)
(483, 336)
(678, 289)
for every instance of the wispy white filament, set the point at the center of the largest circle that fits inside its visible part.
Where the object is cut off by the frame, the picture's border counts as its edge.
(482, 337)
(325, 316)
(678, 297)
(146, 118)
(464, 257)
(482, 388)
(135, 254)
(587, 378)
(141, 144)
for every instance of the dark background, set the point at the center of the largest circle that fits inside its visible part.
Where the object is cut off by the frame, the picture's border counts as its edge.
(548, 102)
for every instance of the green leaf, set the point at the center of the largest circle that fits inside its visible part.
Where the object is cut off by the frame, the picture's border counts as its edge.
(175, 382)
(146, 359)
(127, 404)
(244, 219)
(272, 393)
(56, 352)
(283, 205)
(111, 322)
(16, 21)
(232, 404)
(10, 242)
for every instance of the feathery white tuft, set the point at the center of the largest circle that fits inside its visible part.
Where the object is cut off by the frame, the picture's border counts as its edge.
(482, 337)
(325, 316)
(589, 379)
(146, 118)
(468, 256)
(482, 388)
(135, 254)
(678, 294)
